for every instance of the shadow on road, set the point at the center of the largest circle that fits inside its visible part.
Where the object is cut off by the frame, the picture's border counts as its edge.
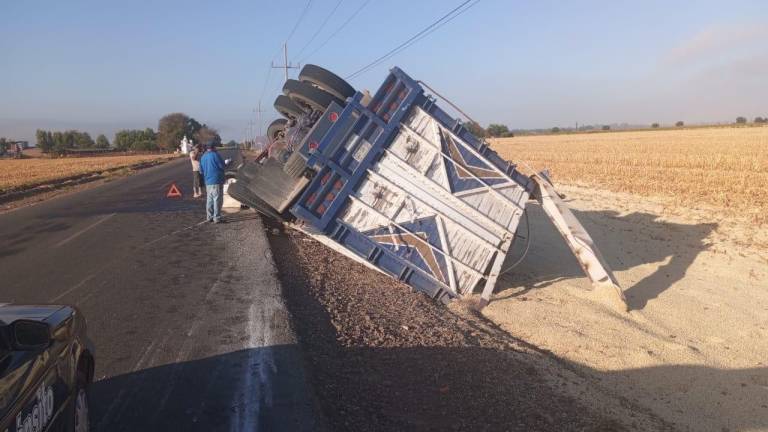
(205, 394)
(238, 391)
(14, 242)
(626, 241)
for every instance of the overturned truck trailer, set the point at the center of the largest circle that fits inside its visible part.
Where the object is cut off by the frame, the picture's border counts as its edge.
(396, 183)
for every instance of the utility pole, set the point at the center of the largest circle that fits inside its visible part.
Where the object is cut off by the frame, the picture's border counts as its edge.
(258, 112)
(285, 64)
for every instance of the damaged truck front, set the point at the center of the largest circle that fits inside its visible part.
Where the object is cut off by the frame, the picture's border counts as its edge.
(393, 181)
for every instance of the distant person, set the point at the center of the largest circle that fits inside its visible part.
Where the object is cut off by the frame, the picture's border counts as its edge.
(212, 169)
(19, 151)
(197, 178)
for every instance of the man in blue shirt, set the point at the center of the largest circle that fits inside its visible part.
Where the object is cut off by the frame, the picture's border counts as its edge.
(212, 170)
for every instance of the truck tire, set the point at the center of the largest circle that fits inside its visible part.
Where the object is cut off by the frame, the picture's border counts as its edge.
(327, 81)
(285, 106)
(295, 165)
(304, 94)
(274, 129)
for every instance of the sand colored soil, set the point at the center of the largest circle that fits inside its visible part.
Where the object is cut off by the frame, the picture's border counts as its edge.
(694, 347)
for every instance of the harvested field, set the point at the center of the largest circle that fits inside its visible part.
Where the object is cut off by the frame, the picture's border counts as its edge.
(381, 358)
(722, 167)
(22, 174)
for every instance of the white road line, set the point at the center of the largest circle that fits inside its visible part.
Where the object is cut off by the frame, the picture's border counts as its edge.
(77, 234)
(170, 234)
(186, 346)
(252, 391)
(58, 297)
(143, 356)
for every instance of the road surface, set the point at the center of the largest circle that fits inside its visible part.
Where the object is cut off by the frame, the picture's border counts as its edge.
(190, 329)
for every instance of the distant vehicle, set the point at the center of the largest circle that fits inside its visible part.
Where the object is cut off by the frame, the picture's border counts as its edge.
(46, 366)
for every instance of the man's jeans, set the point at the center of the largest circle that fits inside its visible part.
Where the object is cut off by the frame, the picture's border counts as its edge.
(214, 200)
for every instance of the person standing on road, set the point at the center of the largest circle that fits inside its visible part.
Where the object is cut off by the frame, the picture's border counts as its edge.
(212, 169)
(197, 178)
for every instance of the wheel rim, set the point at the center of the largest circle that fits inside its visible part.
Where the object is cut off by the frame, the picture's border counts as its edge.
(306, 103)
(287, 108)
(308, 96)
(275, 129)
(81, 412)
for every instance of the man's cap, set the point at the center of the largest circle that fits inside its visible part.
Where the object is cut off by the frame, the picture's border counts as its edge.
(210, 144)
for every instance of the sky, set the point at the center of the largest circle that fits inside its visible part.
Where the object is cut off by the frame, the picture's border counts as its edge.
(101, 65)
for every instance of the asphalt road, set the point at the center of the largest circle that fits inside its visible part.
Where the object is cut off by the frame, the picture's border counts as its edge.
(190, 329)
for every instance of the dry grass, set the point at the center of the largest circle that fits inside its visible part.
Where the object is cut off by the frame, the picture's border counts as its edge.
(723, 167)
(25, 173)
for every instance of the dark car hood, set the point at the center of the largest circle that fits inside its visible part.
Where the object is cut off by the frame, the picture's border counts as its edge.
(10, 313)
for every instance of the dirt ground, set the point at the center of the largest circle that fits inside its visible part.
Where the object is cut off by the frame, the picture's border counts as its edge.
(382, 358)
(694, 347)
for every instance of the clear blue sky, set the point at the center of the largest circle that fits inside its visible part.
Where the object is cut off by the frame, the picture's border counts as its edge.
(101, 65)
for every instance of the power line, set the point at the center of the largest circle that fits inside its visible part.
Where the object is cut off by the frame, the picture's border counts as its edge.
(266, 81)
(301, 17)
(335, 32)
(418, 36)
(317, 32)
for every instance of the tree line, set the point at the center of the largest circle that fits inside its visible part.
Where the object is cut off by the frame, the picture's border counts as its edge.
(739, 120)
(60, 142)
(495, 130)
(171, 128)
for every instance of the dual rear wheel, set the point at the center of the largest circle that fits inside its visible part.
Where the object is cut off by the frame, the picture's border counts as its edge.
(315, 89)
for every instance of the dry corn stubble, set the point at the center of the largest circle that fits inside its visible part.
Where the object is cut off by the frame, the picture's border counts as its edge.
(722, 167)
(19, 173)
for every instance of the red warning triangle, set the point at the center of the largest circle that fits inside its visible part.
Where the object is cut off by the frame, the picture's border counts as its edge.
(173, 192)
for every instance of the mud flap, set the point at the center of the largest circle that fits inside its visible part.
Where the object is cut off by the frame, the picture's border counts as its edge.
(581, 244)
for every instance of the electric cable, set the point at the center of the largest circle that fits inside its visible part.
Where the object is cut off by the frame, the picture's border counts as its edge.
(301, 18)
(320, 28)
(418, 36)
(335, 32)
